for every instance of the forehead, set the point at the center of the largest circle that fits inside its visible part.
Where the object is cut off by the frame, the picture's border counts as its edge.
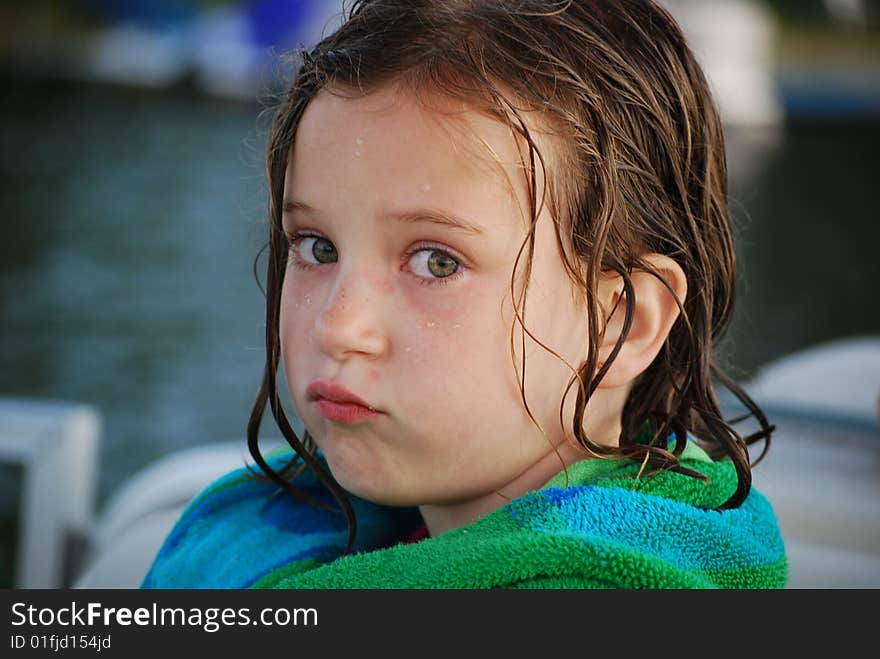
(429, 135)
(429, 119)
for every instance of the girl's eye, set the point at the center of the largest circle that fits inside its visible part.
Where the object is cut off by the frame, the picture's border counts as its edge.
(433, 264)
(314, 249)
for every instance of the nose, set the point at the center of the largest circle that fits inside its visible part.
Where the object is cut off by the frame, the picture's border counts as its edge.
(350, 323)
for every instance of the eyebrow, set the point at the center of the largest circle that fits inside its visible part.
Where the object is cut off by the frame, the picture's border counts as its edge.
(432, 215)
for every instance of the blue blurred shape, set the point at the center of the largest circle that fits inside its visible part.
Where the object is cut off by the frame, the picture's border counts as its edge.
(273, 22)
(836, 94)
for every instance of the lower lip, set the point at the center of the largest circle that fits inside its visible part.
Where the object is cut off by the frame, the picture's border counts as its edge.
(345, 412)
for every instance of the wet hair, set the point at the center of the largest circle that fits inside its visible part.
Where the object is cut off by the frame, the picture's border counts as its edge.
(641, 169)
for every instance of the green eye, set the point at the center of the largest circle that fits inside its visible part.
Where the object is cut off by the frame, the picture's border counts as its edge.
(324, 251)
(440, 264)
(308, 251)
(433, 264)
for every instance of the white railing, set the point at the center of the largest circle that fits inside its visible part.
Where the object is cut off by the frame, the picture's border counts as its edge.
(55, 445)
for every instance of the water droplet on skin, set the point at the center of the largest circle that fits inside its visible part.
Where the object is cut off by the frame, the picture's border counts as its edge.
(308, 300)
(431, 324)
(357, 152)
(426, 187)
(408, 349)
(359, 141)
(456, 326)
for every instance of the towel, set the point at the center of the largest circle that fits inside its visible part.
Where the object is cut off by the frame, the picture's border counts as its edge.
(603, 528)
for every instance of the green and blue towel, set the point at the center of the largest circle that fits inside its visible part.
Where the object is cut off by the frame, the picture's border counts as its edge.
(605, 528)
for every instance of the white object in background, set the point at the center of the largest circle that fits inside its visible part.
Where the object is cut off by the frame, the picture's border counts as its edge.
(733, 42)
(839, 378)
(142, 512)
(822, 473)
(133, 55)
(822, 480)
(56, 445)
(226, 60)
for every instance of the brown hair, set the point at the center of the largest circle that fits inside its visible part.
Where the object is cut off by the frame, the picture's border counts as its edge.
(642, 170)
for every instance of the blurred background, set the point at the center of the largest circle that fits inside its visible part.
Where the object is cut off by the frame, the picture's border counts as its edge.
(133, 203)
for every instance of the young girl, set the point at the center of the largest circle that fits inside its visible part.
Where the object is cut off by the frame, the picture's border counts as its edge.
(499, 259)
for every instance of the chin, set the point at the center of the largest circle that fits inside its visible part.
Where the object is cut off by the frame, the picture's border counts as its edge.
(360, 465)
(353, 472)
(371, 487)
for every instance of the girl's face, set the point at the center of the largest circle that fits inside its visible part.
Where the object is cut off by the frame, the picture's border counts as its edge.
(397, 292)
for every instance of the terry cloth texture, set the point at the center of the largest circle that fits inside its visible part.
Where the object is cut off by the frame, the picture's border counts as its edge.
(602, 529)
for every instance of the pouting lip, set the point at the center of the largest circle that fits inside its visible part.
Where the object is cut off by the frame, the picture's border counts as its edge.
(334, 392)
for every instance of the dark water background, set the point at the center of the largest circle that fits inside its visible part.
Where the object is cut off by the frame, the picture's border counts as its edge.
(130, 221)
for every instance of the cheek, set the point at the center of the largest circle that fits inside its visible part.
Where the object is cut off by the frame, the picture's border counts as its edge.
(562, 328)
(451, 328)
(298, 308)
(459, 353)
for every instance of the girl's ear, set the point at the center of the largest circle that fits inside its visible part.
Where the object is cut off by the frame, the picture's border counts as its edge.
(655, 313)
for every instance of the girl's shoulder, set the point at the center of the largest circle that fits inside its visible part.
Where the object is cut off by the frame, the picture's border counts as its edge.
(667, 522)
(243, 526)
(714, 485)
(204, 547)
